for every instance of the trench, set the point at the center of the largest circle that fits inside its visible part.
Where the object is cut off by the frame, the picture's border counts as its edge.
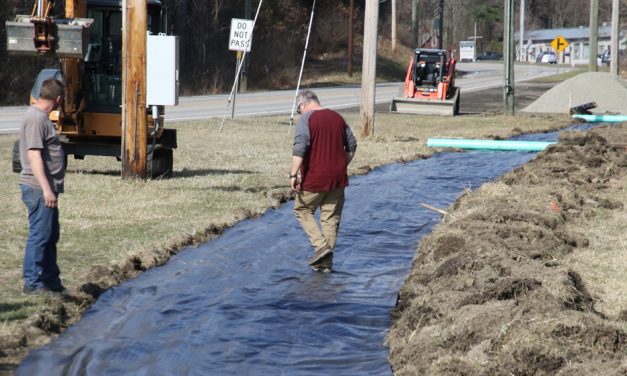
(246, 303)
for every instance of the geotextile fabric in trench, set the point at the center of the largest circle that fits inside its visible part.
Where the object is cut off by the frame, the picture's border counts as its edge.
(246, 303)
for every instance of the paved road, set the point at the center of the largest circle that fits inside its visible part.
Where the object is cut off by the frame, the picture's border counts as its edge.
(481, 76)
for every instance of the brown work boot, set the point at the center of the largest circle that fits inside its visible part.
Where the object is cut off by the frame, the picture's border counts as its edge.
(322, 269)
(325, 264)
(319, 255)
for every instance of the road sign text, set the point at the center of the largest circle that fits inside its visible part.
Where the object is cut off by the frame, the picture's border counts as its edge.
(241, 35)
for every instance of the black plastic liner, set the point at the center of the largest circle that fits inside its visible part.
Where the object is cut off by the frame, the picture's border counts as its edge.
(246, 303)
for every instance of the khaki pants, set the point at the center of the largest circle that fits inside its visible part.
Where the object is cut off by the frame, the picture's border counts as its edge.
(331, 204)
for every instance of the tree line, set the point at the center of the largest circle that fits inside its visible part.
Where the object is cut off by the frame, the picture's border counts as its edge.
(207, 66)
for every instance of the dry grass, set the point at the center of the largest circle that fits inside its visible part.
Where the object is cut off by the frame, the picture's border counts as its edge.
(525, 275)
(219, 179)
(603, 264)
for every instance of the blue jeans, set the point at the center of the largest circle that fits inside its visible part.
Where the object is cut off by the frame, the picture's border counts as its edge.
(40, 259)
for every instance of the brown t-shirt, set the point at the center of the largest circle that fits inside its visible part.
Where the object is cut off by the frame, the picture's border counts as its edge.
(37, 132)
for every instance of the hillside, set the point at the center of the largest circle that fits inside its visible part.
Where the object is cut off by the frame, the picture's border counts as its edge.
(207, 66)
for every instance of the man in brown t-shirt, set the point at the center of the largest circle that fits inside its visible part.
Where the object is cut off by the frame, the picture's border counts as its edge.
(41, 182)
(324, 145)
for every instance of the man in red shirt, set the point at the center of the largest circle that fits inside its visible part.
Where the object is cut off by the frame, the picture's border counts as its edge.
(324, 145)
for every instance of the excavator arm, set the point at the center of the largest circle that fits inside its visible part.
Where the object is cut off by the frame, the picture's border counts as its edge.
(72, 70)
(41, 34)
(43, 39)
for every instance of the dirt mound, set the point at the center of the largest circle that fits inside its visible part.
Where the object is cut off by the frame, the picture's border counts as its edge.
(490, 292)
(608, 91)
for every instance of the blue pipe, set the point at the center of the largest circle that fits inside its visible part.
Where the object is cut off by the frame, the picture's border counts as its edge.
(461, 143)
(601, 118)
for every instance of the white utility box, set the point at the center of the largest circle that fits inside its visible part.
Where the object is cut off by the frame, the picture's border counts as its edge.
(162, 70)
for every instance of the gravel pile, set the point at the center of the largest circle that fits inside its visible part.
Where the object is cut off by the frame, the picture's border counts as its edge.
(608, 91)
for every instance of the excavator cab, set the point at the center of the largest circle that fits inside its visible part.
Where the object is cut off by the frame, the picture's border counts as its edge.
(426, 74)
(103, 57)
(429, 68)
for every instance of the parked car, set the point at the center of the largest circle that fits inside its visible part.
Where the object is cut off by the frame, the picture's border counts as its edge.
(549, 57)
(606, 56)
(489, 55)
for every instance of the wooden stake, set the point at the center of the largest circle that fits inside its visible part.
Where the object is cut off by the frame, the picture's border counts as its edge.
(437, 210)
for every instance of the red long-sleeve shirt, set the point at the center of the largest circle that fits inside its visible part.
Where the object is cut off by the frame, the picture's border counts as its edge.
(323, 138)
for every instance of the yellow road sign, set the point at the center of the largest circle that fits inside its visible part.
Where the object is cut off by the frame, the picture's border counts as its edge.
(559, 43)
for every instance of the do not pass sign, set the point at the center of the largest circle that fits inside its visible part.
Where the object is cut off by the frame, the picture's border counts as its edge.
(241, 35)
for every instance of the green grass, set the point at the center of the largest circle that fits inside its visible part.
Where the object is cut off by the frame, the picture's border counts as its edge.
(561, 76)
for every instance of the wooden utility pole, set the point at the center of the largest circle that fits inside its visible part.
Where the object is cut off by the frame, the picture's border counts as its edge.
(594, 34)
(351, 26)
(134, 26)
(369, 67)
(393, 25)
(243, 82)
(615, 47)
(414, 24)
(441, 39)
(522, 50)
(508, 49)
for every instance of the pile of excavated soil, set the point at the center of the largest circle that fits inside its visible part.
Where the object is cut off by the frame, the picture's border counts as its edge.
(607, 91)
(491, 100)
(491, 291)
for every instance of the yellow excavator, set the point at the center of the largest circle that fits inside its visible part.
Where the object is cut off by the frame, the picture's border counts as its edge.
(88, 40)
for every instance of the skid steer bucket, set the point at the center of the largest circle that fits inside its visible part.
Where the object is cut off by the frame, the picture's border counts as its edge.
(70, 37)
(424, 106)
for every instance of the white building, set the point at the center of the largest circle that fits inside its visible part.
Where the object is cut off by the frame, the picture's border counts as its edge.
(578, 50)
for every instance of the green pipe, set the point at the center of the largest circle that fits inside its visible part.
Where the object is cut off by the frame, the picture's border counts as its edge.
(601, 118)
(461, 143)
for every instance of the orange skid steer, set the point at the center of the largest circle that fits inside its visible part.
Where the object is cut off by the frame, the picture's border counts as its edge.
(429, 87)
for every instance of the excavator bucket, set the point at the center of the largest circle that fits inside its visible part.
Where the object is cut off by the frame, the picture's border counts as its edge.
(427, 106)
(68, 37)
